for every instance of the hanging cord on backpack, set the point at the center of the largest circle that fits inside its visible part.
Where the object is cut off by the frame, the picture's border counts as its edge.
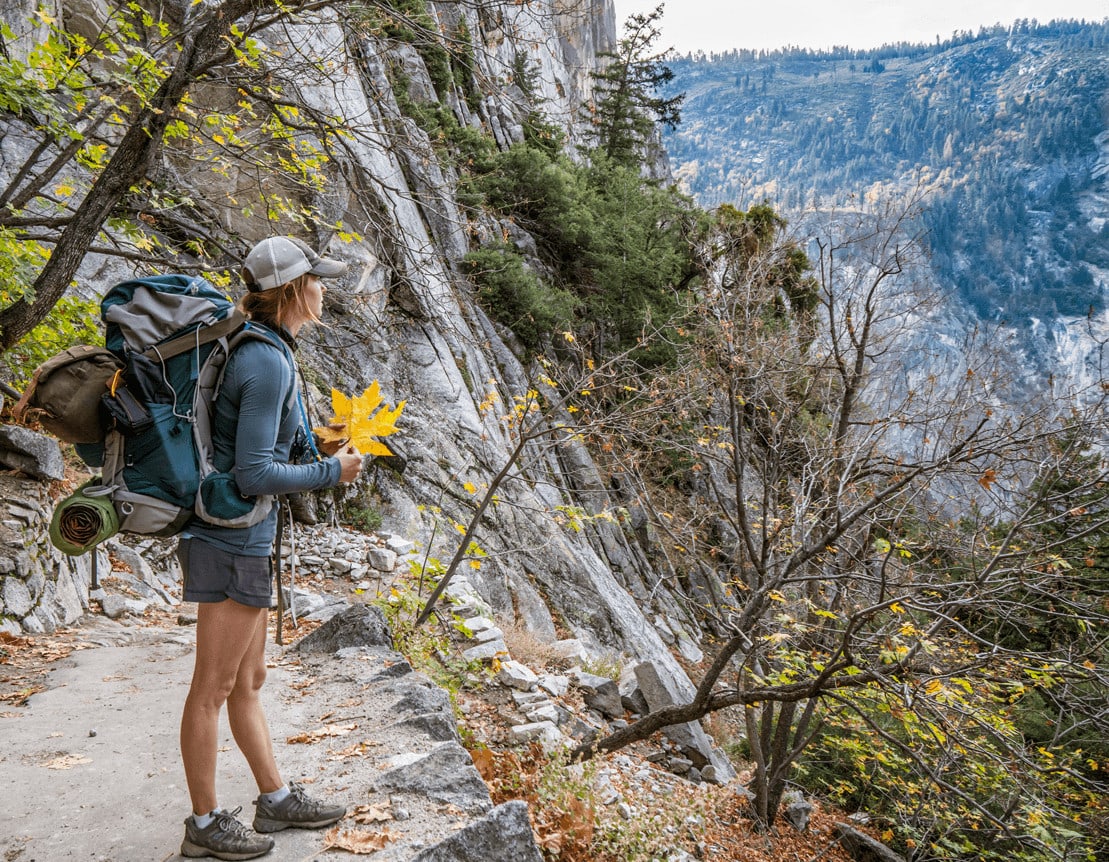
(285, 516)
(188, 417)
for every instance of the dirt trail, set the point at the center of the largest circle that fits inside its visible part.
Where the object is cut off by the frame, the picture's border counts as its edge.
(92, 769)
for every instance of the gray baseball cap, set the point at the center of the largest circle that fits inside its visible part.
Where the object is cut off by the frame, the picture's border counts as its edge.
(277, 260)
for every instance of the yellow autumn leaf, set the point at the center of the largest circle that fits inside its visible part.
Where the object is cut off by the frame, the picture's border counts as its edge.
(362, 419)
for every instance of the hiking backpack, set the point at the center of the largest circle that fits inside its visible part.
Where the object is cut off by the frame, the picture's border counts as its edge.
(170, 337)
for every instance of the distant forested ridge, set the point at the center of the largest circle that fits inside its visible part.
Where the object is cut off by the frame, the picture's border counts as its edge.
(1008, 128)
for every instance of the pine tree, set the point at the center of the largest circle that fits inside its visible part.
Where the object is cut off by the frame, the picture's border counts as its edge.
(626, 105)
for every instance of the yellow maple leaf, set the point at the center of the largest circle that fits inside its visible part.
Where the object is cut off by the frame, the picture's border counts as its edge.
(361, 420)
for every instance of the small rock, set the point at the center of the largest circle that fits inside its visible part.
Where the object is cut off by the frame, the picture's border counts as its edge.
(624, 810)
(485, 651)
(680, 766)
(493, 634)
(544, 712)
(339, 565)
(544, 731)
(116, 607)
(400, 546)
(524, 698)
(381, 559)
(516, 675)
(555, 685)
(476, 625)
(571, 649)
(798, 814)
(861, 846)
(600, 693)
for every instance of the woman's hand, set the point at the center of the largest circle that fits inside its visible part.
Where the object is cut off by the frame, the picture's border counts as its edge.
(351, 462)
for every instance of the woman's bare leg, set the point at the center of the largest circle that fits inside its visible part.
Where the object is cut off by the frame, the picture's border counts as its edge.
(230, 640)
(246, 716)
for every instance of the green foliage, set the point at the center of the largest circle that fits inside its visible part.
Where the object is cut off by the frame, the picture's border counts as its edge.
(72, 321)
(516, 297)
(449, 61)
(951, 780)
(616, 240)
(366, 518)
(427, 648)
(626, 105)
(610, 666)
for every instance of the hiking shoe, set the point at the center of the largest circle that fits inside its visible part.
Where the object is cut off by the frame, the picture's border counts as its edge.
(225, 838)
(297, 810)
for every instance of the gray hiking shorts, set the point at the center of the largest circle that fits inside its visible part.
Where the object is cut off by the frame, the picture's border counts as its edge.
(213, 575)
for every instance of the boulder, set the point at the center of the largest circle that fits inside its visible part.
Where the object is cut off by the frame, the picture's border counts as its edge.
(17, 598)
(488, 650)
(358, 625)
(600, 693)
(798, 811)
(545, 732)
(516, 675)
(446, 773)
(116, 607)
(37, 455)
(503, 835)
(381, 559)
(862, 847)
(690, 737)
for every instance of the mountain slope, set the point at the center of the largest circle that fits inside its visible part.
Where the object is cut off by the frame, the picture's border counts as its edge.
(1007, 129)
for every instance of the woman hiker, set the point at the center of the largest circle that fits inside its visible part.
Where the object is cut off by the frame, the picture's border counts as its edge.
(227, 571)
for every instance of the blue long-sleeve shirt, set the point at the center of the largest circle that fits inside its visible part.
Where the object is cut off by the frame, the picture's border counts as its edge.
(253, 428)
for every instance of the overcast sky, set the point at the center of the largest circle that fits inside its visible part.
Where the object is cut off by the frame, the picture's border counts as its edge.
(718, 25)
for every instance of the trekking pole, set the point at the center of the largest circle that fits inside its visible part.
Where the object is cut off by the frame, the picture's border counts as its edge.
(280, 638)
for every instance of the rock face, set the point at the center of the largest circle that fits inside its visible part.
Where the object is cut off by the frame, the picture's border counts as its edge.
(404, 315)
(40, 587)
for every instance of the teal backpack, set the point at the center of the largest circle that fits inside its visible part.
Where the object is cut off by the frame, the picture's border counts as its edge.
(170, 337)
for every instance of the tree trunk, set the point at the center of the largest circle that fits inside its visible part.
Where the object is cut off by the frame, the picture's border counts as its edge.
(128, 166)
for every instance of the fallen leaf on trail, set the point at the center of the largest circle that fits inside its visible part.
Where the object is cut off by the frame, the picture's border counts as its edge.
(378, 812)
(356, 750)
(11, 714)
(360, 841)
(485, 762)
(322, 733)
(20, 698)
(67, 761)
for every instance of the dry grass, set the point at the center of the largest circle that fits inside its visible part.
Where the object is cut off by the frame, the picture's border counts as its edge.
(527, 649)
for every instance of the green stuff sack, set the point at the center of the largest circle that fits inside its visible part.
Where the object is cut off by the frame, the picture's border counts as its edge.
(83, 520)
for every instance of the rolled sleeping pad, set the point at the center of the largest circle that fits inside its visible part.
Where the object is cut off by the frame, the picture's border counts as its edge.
(83, 520)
